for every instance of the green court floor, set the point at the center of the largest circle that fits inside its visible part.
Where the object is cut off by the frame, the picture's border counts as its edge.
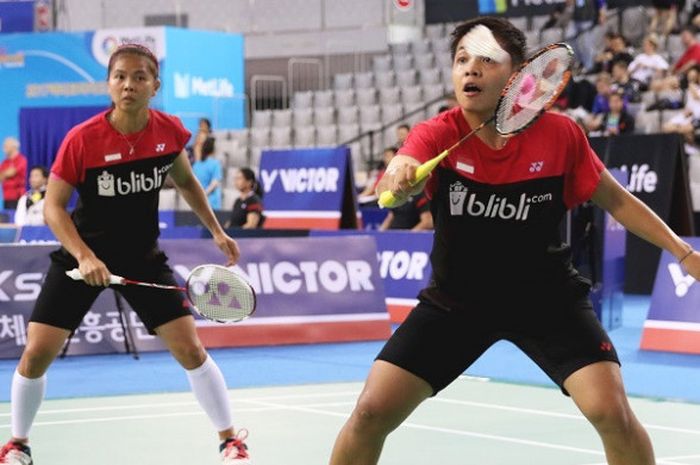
(474, 421)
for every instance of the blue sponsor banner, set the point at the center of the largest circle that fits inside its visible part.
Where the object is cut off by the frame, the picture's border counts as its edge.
(308, 290)
(404, 265)
(306, 188)
(210, 84)
(673, 322)
(17, 16)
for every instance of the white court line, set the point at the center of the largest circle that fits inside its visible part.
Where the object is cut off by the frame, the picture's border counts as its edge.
(547, 413)
(186, 404)
(271, 407)
(447, 430)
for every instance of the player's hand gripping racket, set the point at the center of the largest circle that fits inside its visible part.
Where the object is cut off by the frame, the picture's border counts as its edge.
(531, 90)
(215, 292)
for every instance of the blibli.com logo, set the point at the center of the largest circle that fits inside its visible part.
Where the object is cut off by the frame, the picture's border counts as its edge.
(493, 206)
(134, 183)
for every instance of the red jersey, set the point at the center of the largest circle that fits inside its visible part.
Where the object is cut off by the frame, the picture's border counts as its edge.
(13, 188)
(497, 213)
(117, 212)
(691, 54)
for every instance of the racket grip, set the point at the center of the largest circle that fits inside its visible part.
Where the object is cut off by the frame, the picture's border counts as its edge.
(75, 275)
(387, 198)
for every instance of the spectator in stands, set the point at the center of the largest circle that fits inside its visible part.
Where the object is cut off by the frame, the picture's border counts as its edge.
(248, 208)
(694, 16)
(631, 89)
(665, 16)
(367, 195)
(685, 123)
(617, 50)
(13, 173)
(586, 15)
(603, 87)
(414, 215)
(402, 134)
(207, 169)
(691, 56)
(648, 65)
(616, 120)
(30, 207)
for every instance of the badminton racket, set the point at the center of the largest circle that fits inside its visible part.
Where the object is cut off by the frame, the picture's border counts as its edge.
(530, 91)
(215, 292)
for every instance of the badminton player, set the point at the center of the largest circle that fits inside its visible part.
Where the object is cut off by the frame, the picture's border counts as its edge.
(500, 270)
(117, 161)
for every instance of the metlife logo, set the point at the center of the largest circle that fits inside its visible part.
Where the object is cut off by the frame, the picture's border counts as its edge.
(188, 86)
(502, 6)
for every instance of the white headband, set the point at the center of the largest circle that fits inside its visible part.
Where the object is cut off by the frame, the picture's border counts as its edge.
(479, 41)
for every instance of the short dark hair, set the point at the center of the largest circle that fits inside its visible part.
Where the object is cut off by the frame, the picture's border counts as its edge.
(44, 171)
(508, 36)
(404, 126)
(206, 121)
(208, 147)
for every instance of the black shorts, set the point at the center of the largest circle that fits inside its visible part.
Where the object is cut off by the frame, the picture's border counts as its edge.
(64, 302)
(438, 345)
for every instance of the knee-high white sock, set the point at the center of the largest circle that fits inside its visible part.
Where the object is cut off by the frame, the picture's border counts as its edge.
(209, 388)
(25, 397)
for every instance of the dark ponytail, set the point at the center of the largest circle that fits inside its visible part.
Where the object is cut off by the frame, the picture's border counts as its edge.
(249, 175)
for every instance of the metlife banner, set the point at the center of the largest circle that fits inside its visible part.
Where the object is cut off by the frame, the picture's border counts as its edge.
(308, 189)
(69, 69)
(323, 289)
(673, 322)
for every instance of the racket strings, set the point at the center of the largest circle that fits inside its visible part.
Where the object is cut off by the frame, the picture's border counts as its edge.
(534, 89)
(219, 294)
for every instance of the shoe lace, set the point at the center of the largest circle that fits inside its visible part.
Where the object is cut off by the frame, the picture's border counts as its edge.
(236, 442)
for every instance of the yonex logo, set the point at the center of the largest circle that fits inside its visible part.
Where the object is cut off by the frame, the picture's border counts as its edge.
(160, 147)
(536, 166)
(680, 280)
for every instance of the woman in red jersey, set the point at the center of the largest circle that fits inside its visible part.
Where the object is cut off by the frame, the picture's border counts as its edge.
(118, 161)
(500, 270)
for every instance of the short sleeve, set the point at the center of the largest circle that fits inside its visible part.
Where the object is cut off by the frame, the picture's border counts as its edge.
(420, 143)
(217, 171)
(182, 135)
(254, 204)
(69, 165)
(583, 168)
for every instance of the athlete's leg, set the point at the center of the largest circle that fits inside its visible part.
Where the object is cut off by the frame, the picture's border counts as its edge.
(389, 396)
(44, 342)
(599, 393)
(205, 377)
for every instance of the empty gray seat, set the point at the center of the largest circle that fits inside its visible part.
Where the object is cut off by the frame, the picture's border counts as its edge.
(282, 118)
(429, 76)
(281, 137)
(411, 94)
(304, 136)
(403, 62)
(344, 97)
(391, 112)
(262, 118)
(347, 115)
(342, 81)
(364, 80)
(303, 117)
(433, 91)
(440, 45)
(260, 137)
(384, 79)
(303, 99)
(326, 135)
(347, 132)
(435, 31)
(370, 115)
(424, 61)
(389, 95)
(406, 78)
(443, 60)
(420, 46)
(324, 116)
(381, 63)
(400, 48)
(323, 98)
(366, 96)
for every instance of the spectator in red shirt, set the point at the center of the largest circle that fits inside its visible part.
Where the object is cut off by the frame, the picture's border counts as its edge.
(13, 173)
(691, 56)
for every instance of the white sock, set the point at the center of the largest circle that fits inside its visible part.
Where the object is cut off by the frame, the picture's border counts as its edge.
(209, 388)
(25, 397)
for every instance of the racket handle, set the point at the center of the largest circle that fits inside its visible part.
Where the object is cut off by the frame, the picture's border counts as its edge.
(75, 275)
(387, 198)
